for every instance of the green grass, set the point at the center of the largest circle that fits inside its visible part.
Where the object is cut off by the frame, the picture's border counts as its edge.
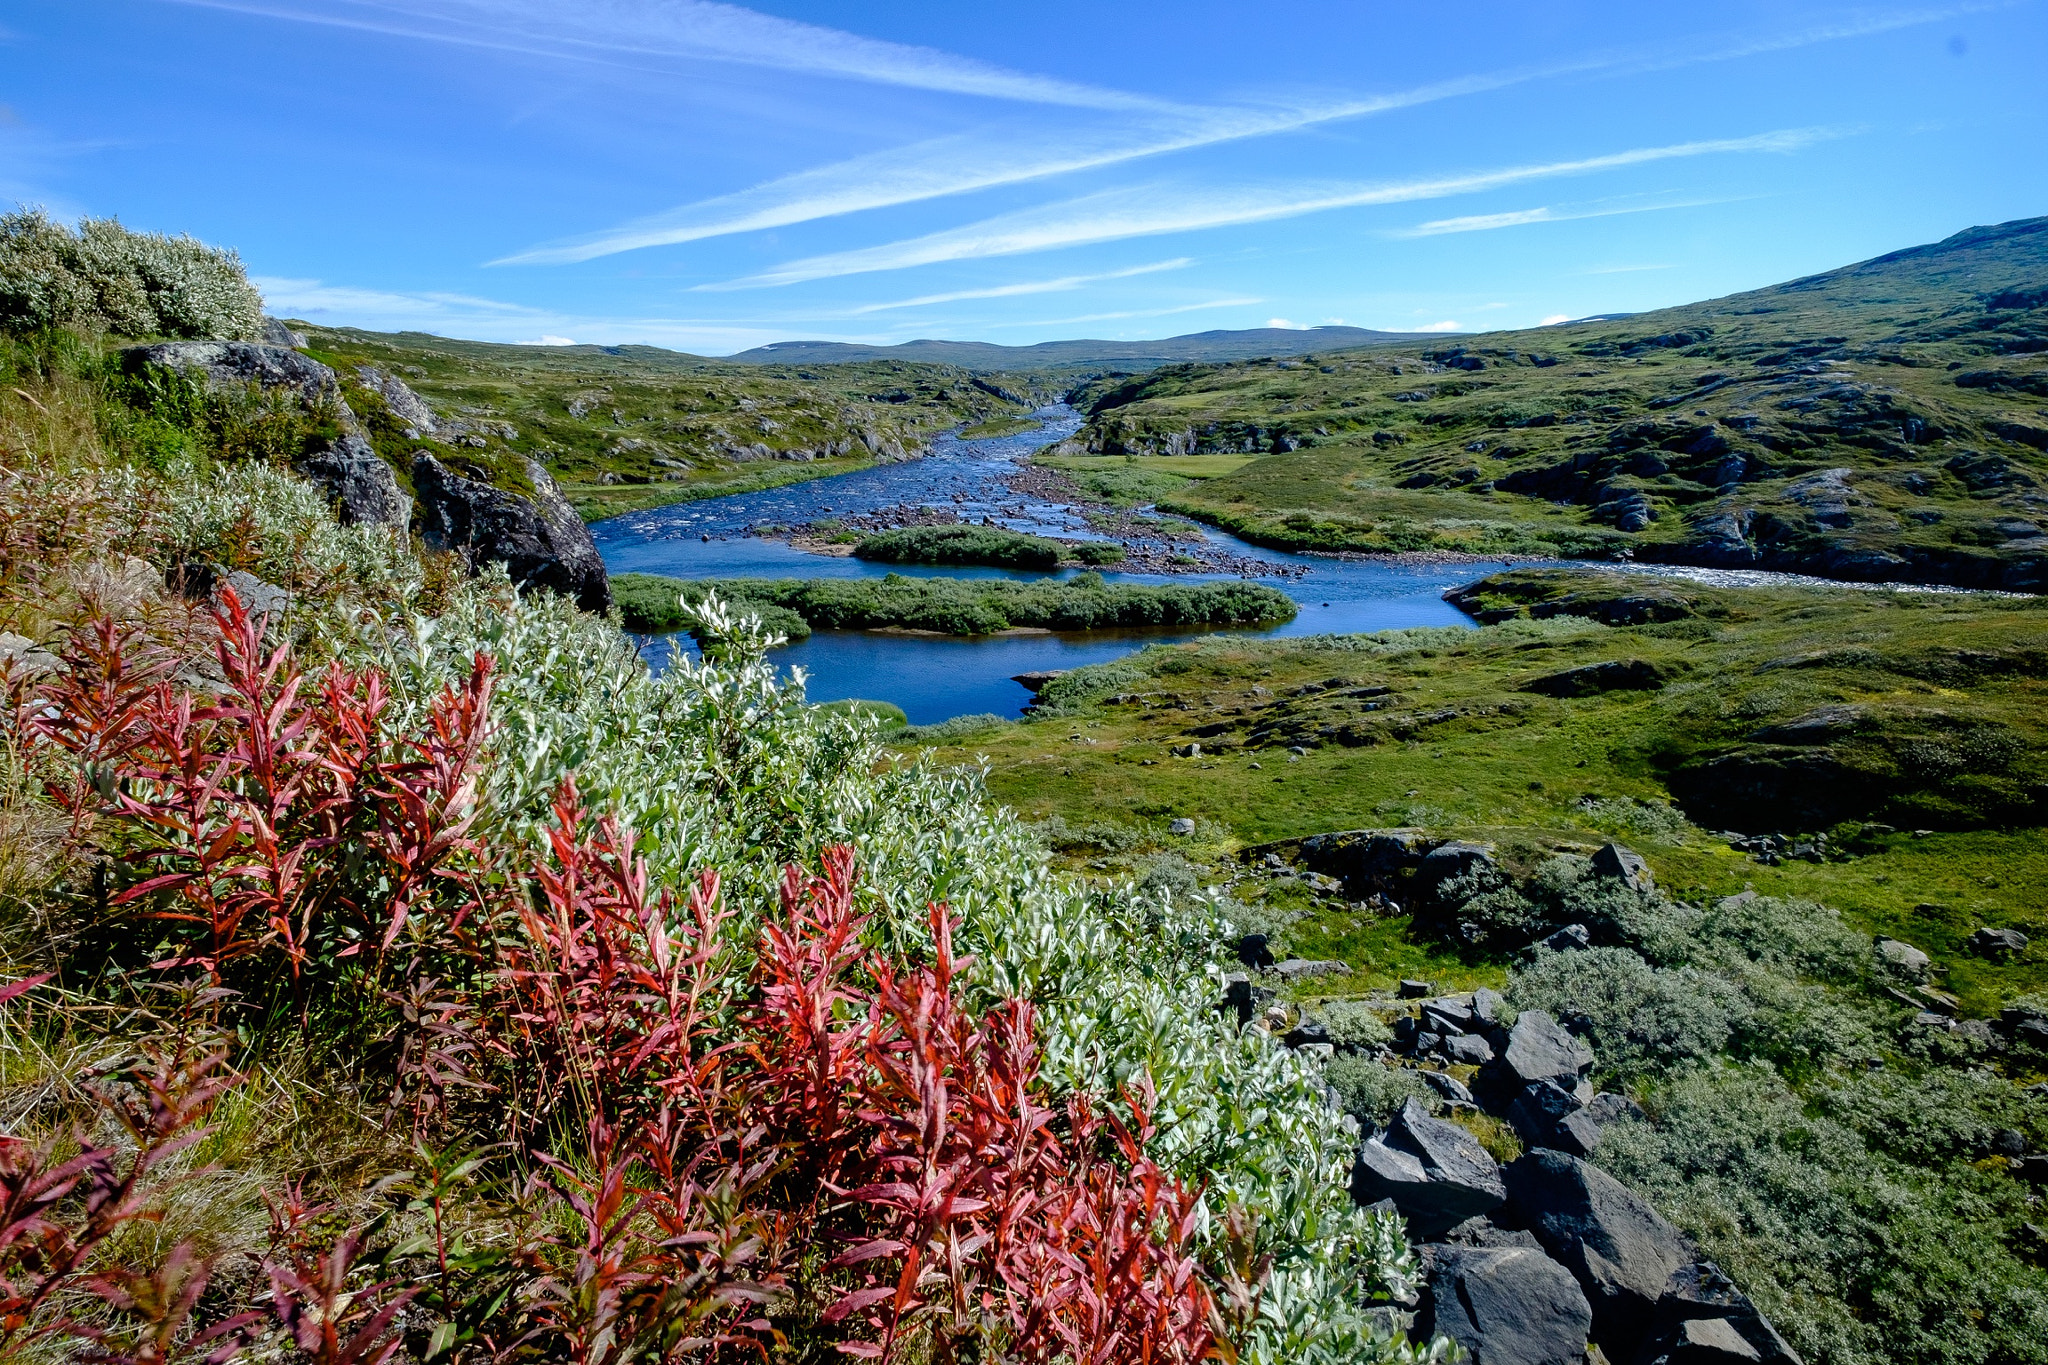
(630, 427)
(1456, 744)
(956, 606)
(999, 426)
(987, 545)
(1919, 375)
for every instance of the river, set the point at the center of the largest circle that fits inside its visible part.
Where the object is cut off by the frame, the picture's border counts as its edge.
(935, 678)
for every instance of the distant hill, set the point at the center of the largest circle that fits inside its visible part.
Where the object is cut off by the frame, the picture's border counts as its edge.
(983, 355)
(1884, 420)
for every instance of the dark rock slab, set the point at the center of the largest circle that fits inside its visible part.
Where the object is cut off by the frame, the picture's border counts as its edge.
(1539, 1049)
(1704, 1318)
(1624, 864)
(541, 541)
(1506, 1306)
(1436, 1173)
(1996, 943)
(231, 363)
(1622, 1251)
(362, 486)
(1590, 680)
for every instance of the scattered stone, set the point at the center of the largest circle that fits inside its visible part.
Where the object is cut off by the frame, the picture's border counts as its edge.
(407, 406)
(1580, 1131)
(1468, 1049)
(1570, 939)
(1189, 750)
(1903, 958)
(1539, 1049)
(1447, 1086)
(1507, 1306)
(1622, 1250)
(1989, 942)
(1413, 990)
(257, 597)
(1696, 1297)
(1447, 1015)
(235, 364)
(1034, 682)
(1298, 968)
(276, 333)
(1625, 865)
(1181, 826)
(1436, 1173)
(541, 541)
(21, 657)
(1310, 1032)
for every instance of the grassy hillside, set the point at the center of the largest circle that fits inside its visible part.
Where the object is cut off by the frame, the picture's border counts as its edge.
(1867, 764)
(636, 426)
(1222, 344)
(1887, 420)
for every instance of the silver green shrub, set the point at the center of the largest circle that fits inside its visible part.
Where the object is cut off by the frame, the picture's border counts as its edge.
(105, 278)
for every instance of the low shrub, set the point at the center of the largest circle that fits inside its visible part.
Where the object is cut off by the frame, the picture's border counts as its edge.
(1638, 1019)
(986, 545)
(105, 278)
(1354, 1025)
(958, 606)
(1371, 1092)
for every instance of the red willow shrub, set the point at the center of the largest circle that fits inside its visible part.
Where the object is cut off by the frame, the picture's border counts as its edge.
(853, 1158)
(807, 1146)
(247, 801)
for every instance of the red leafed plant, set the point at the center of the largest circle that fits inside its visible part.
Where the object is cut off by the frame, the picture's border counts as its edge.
(234, 804)
(858, 1107)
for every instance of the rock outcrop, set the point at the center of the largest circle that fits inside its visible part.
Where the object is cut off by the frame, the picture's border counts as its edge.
(1436, 1173)
(362, 486)
(541, 541)
(1506, 1306)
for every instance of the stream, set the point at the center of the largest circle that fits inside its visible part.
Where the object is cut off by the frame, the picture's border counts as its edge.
(935, 678)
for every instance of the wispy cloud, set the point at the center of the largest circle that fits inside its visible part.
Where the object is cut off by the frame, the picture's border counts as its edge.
(962, 164)
(690, 29)
(1152, 210)
(1487, 222)
(1005, 291)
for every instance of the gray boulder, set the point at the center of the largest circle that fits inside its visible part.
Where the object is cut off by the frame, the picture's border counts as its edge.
(1543, 1105)
(227, 363)
(1570, 939)
(1301, 968)
(1580, 1131)
(407, 406)
(1436, 1173)
(1625, 865)
(1903, 958)
(1989, 942)
(1467, 1049)
(21, 658)
(257, 597)
(363, 488)
(1621, 1250)
(1446, 1086)
(277, 333)
(1539, 1049)
(541, 541)
(1506, 1306)
(1703, 1319)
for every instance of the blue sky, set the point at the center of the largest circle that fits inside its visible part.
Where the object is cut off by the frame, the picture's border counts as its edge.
(710, 177)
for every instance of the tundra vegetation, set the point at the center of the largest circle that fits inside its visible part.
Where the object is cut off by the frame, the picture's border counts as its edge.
(1882, 421)
(395, 969)
(951, 606)
(1815, 777)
